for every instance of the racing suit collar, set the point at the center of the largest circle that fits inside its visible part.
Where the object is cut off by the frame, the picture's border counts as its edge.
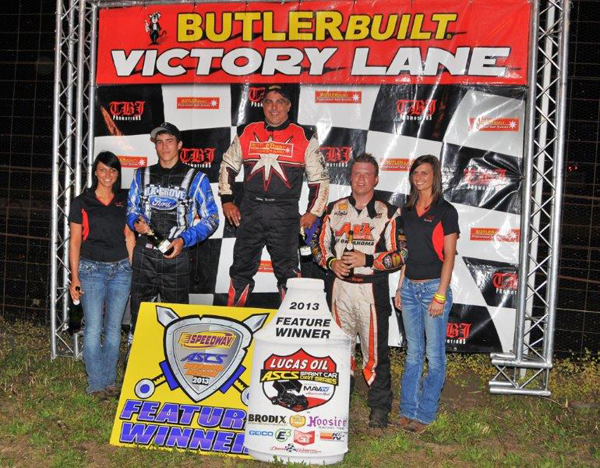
(177, 165)
(370, 206)
(272, 128)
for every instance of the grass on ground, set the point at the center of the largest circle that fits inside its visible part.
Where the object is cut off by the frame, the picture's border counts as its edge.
(46, 419)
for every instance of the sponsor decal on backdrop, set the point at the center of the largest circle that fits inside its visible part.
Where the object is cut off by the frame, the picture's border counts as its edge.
(471, 327)
(265, 266)
(256, 94)
(133, 162)
(194, 102)
(416, 109)
(338, 97)
(495, 234)
(197, 157)
(457, 333)
(497, 281)
(395, 164)
(505, 282)
(337, 156)
(482, 179)
(127, 110)
(485, 124)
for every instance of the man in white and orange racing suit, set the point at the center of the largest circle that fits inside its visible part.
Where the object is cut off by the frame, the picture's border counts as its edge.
(276, 155)
(359, 293)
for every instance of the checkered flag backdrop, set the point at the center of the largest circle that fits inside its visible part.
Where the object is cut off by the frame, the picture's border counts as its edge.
(476, 131)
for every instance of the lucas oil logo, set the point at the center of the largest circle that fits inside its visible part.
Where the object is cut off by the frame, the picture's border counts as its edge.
(299, 381)
(219, 345)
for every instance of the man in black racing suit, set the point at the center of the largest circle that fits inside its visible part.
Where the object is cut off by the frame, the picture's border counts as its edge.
(177, 201)
(276, 154)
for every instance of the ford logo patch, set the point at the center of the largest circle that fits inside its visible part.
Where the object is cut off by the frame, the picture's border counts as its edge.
(162, 203)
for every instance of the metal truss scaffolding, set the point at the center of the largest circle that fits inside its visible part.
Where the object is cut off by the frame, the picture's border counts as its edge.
(72, 139)
(526, 370)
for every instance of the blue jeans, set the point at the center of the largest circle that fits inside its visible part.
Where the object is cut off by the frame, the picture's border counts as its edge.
(425, 336)
(105, 293)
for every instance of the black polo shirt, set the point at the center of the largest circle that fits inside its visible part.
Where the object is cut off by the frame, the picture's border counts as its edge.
(425, 238)
(103, 226)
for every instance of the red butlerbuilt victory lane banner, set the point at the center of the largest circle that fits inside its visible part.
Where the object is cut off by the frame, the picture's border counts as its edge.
(359, 42)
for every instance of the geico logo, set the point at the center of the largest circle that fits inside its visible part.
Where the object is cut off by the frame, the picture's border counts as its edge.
(261, 433)
(209, 358)
(279, 375)
(266, 418)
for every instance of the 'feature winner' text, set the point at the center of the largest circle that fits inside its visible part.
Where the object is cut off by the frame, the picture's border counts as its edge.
(302, 327)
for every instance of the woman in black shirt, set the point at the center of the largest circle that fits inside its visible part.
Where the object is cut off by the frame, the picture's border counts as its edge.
(424, 294)
(100, 250)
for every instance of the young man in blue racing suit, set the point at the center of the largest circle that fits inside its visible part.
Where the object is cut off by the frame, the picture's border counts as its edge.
(177, 201)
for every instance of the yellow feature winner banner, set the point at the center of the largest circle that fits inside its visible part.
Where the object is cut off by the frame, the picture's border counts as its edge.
(186, 385)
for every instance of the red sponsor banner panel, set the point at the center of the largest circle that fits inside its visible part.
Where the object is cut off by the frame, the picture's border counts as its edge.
(417, 77)
(367, 42)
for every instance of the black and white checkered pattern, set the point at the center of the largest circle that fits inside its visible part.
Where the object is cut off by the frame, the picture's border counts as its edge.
(382, 120)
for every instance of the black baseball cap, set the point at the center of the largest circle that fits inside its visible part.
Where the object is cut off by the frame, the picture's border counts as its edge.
(167, 128)
(281, 89)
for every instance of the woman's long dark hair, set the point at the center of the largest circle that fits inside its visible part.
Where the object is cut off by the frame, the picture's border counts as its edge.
(109, 159)
(436, 190)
